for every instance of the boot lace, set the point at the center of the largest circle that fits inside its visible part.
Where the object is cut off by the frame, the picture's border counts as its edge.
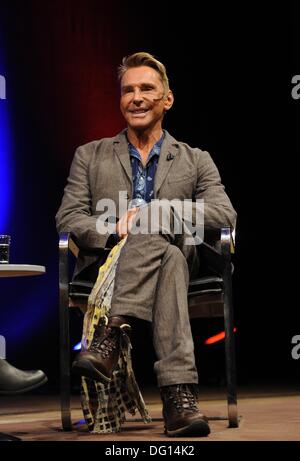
(107, 344)
(182, 398)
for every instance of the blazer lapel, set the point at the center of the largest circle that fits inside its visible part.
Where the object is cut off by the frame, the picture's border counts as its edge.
(167, 155)
(166, 158)
(121, 149)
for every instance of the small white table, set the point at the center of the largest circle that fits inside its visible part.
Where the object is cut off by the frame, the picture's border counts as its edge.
(18, 270)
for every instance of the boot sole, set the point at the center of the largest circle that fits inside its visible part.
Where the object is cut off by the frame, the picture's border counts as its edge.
(195, 429)
(86, 369)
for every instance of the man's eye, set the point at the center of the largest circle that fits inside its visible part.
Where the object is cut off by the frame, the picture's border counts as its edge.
(127, 90)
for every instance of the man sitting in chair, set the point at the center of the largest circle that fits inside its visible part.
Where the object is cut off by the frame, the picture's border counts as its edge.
(156, 263)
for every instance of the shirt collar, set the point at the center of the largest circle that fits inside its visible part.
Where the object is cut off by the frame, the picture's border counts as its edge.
(133, 152)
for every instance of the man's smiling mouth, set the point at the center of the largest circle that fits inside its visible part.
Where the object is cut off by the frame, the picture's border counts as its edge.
(138, 112)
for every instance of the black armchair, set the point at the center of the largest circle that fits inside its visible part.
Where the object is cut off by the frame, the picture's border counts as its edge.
(209, 296)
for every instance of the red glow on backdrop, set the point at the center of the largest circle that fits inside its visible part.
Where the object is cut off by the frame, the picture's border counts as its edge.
(70, 73)
(217, 338)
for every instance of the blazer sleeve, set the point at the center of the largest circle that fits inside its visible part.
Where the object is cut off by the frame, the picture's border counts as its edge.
(75, 213)
(218, 210)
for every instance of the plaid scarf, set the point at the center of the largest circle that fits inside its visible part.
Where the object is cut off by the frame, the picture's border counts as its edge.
(104, 405)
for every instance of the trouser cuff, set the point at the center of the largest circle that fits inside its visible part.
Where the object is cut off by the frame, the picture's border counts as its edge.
(182, 379)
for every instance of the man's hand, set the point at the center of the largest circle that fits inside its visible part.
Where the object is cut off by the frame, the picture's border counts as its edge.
(125, 222)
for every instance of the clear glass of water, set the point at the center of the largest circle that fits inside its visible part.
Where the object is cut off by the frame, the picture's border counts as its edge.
(4, 249)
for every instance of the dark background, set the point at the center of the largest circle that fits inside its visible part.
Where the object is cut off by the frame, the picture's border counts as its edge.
(230, 67)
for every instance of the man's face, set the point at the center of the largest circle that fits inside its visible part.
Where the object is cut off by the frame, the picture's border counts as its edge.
(143, 99)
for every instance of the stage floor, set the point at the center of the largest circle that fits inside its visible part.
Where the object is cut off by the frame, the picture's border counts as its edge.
(265, 415)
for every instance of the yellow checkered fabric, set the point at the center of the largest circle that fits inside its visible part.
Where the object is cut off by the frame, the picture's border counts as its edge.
(104, 405)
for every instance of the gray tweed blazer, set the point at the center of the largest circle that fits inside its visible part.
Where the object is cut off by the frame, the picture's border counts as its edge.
(101, 169)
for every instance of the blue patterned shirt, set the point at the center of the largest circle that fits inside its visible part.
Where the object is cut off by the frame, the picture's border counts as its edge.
(143, 177)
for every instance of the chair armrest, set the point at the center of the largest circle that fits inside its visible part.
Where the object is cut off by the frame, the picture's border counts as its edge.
(64, 239)
(218, 260)
(227, 242)
(67, 243)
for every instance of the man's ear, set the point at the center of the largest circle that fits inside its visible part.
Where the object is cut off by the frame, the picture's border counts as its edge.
(169, 101)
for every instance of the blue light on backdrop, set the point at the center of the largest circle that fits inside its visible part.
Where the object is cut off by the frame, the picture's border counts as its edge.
(28, 303)
(5, 156)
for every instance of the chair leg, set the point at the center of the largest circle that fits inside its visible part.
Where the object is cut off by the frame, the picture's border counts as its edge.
(64, 335)
(65, 381)
(230, 350)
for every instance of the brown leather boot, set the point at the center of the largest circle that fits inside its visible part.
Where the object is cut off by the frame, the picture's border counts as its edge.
(181, 414)
(100, 360)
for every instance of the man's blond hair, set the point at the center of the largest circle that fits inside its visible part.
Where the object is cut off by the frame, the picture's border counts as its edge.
(144, 59)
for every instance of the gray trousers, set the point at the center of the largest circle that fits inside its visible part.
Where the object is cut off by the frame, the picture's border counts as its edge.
(151, 283)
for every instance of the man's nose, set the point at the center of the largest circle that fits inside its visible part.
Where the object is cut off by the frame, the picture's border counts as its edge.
(137, 96)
